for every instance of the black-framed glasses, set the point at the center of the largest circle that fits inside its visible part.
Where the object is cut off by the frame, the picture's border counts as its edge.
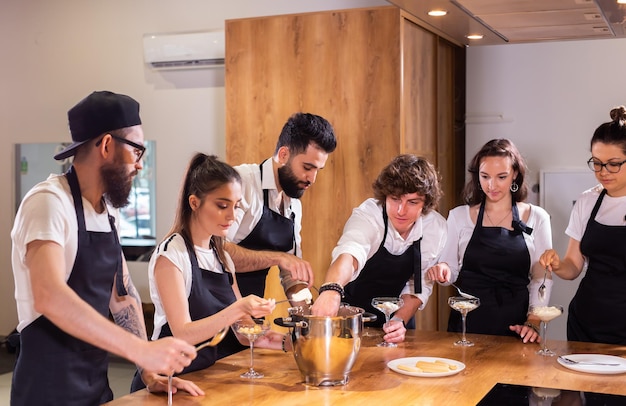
(611, 167)
(139, 149)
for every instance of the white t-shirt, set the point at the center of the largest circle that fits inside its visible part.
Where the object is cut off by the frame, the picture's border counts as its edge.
(252, 203)
(612, 212)
(364, 231)
(461, 228)
(177, 254)
(47, 213)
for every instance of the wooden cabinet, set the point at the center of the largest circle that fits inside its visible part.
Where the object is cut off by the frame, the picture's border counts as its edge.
(387, 85)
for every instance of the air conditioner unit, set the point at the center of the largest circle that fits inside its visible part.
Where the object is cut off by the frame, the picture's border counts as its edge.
(184, 50)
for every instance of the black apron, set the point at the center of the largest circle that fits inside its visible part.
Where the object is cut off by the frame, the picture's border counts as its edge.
(210, 293)
(273, 232)
(54, 368)
(495, 268)
(597, 311)
(385, 274)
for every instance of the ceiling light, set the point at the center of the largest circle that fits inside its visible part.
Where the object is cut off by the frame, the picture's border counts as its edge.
(621, 1)
(474, 36)
(439, 13)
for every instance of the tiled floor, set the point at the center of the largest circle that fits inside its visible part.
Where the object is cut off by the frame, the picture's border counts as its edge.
(120, 375)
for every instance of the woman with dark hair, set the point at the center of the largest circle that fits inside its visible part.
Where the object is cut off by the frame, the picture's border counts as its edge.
(597, 231)
(387, 245)
(191, 275)
(491, 252)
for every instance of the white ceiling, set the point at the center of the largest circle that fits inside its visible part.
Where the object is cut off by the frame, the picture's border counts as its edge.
(519, 21)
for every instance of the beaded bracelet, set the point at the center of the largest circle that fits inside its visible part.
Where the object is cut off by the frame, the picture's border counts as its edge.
(332, 286)
(282, 345)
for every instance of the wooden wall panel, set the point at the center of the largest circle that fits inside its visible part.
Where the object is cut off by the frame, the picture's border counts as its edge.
(419, 114)
(371, 72)
(342, 65)
(446, 159)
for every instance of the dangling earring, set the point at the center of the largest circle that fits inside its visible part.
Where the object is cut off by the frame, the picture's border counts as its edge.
(514, 187)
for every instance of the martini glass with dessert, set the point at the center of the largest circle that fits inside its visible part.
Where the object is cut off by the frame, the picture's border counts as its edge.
(545, 314)
(388, 306)
(463, 305)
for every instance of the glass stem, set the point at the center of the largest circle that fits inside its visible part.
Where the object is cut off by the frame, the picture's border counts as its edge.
(542, 334)
(169, 390)
(251, 355)
(387, 316)
(463, 316)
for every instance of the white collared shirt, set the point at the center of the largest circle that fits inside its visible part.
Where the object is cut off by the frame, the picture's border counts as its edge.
(252, 203)
(364, 231)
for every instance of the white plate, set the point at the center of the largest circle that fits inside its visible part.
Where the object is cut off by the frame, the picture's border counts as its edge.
(595, 369)
(393, 365)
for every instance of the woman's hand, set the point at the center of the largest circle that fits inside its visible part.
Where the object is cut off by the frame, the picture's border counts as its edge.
(528, 333)
(273, 340)
(394, 331)
(439, 273)
(257, 307)
(550, 259)
(157, 383)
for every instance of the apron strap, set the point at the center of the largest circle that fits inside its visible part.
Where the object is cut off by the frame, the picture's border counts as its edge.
(417, 254)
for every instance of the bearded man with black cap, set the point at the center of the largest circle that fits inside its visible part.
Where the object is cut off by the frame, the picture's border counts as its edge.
(70, 272)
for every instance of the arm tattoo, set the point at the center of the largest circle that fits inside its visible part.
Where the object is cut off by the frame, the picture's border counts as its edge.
(130, 321)
(132, 291)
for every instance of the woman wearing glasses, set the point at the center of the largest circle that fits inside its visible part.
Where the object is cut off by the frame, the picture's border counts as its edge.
(597, 231)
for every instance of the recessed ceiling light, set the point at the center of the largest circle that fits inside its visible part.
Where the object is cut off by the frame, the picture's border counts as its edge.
(439, 13)
(474, 36)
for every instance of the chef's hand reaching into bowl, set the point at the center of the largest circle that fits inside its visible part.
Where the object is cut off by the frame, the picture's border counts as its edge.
(327, 304)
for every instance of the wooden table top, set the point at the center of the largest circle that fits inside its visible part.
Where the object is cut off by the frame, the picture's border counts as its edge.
(492, 360)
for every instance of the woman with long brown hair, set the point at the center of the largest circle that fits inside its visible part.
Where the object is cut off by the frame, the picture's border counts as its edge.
(192, 283)
(494, 244)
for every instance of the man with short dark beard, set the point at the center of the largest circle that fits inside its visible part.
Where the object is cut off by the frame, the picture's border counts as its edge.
(70, 272)
(271, 216)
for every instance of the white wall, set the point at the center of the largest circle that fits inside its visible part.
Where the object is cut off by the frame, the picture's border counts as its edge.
(548, 98)
(54, 53)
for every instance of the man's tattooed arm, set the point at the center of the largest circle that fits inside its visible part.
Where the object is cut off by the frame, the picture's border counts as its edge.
(127, 311)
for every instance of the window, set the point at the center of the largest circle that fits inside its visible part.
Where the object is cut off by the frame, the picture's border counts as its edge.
(137, 221)
(137, 226)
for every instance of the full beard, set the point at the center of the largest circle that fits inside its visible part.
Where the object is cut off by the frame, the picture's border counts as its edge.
(289, 182)
(117, 184)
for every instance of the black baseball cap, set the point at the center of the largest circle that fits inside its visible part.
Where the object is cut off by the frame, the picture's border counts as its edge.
(96, 114)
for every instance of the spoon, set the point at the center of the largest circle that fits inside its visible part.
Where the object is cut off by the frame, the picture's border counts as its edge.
(219, 336)
(571, 361)
(303, 295)
(542, 288)
(465, 295)
(215, 340)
